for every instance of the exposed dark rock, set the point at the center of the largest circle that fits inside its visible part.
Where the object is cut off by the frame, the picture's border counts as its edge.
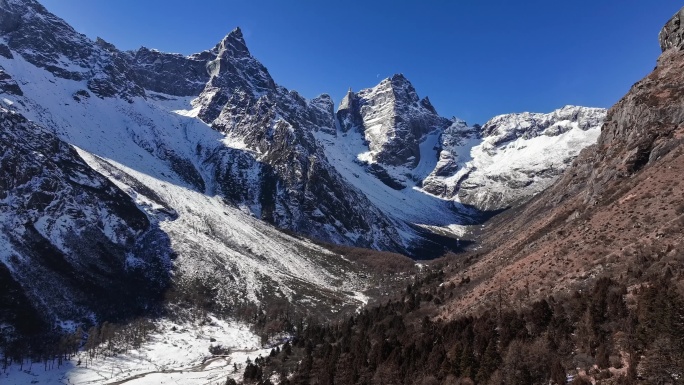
(8, 85)
(81, 95)
(425, 102)
(5, 52)
(77, 244)
(379, 172)
(171, 74)
(672, 34)
(322, 114)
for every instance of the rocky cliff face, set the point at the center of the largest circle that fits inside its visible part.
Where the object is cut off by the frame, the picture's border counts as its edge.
(394, 122)
(297, 189)
(237, 97)
(501, 164)
(274, 161)
(170, 74)
(672, 34)
(47, 42)
(616, 211)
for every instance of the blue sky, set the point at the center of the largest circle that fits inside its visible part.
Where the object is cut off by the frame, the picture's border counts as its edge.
(474, 58)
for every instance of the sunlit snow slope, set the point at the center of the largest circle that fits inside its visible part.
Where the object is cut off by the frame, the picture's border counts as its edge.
(512, 157)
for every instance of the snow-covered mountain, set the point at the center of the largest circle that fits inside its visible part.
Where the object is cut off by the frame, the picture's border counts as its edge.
(436, 163)
(208, 157)
(394, 122)
(116, 183)
(512, 157)
(296, 187)
(385, 143)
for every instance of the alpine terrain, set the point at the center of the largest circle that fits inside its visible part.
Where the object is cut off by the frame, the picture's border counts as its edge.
(582, 284)
(170, 217)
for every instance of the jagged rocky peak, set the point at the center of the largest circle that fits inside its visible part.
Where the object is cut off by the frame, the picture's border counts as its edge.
(235, 78)
(297, 187)
(42, 38)
(348, 114)
(393, 120)
(346, 102)
(425, 102)
(672, 34)
(102, 43)
(401, 87)
(211, 73)
(48, 42)
(232, 45)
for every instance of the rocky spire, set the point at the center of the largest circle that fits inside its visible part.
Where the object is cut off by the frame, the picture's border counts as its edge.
(232, 45)
(425, 102)
(347, 115)
(346, 102)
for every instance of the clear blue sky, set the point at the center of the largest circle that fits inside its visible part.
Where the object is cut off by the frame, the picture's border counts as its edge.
(473, 58)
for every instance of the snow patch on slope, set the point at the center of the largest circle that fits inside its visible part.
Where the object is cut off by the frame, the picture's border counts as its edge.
(518, 155)
(410, 204)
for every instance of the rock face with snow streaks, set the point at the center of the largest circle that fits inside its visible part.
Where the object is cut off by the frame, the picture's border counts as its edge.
(393, 120)
(47, 42)
(508, 160)
(236, 96)
(297, 187)
(512, 157)
(76, 244)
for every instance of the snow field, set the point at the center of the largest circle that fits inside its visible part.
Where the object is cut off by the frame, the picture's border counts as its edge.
(175, 354)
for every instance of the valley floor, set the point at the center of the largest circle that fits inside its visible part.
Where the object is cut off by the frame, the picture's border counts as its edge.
(174, 354)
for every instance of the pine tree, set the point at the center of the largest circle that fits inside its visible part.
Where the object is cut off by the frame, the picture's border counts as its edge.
(489, 363)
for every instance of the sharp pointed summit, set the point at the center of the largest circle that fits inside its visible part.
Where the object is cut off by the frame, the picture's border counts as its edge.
(233, 44)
